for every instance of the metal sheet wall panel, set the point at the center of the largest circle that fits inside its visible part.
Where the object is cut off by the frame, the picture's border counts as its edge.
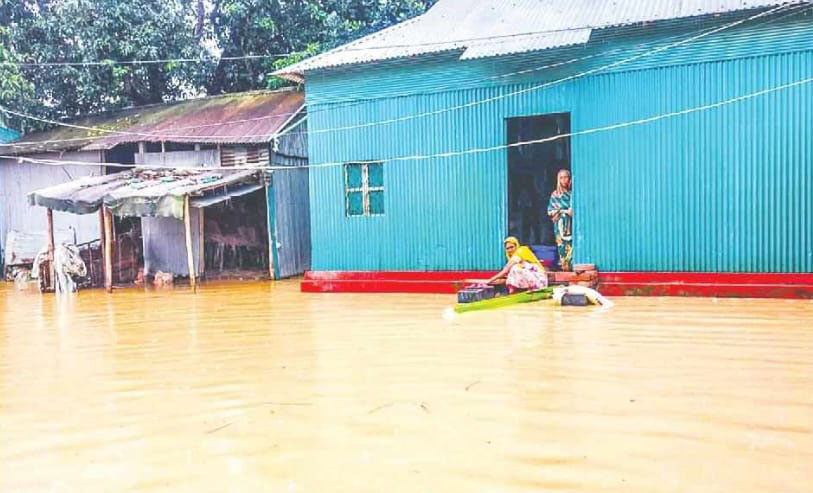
(292, 221)
(18, 179)
(293, 143)
(182, 159)
(723, 190)
(292, 216)
(164, 241)
(164, 238)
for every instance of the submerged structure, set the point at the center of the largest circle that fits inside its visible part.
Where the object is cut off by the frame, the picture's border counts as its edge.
(151, 193)
(214, 187)
(685, 126)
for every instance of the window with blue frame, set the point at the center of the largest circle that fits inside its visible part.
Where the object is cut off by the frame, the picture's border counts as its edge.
(364, 189)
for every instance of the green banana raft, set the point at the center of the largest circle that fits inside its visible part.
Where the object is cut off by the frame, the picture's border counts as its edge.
(503, 301)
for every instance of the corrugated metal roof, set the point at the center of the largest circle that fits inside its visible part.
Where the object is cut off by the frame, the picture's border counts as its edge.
(138, 192)
(67, 139)
(500, 27)
(255, 116)
(217, 198)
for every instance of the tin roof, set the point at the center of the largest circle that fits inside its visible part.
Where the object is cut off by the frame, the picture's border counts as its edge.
(500, 27)
(141, 191)
(62, 138)
(240, 118)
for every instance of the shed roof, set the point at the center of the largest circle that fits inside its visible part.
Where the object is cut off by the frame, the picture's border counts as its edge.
(488, 28)
(240, 118)
(140, 191)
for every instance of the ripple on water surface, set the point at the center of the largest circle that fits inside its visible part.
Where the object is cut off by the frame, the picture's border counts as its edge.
(259, 387)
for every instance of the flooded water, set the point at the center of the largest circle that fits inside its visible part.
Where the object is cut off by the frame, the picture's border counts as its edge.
(258, 387)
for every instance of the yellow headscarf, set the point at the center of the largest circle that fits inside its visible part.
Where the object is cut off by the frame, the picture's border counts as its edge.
(523, 252)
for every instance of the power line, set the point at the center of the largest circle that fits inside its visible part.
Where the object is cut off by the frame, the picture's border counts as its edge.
(334, 104)
(442, 155)
(548, 84)
(346, 48)
(442, 110)
(331, 108)
(515, 35)
(278, 115)
(106, 63)
(137, 134)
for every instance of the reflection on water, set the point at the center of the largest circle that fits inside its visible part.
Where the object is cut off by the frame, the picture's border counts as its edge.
(258, 387)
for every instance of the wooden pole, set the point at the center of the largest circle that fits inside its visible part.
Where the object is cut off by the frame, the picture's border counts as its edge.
(101, 234)
(190, 259)
(108, 250)
(51, 269)
(201, 246)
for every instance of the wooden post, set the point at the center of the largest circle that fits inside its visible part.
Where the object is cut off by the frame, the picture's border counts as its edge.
(190, 258)
(201, 256)
(108, 250)
(51, 269)
(102, 242)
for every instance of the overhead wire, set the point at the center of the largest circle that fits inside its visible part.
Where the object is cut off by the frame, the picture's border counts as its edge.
(329, 105)
(701, 35)
(449, 154)
(355, 101)
(108, 63)
(310, 111)
(545, 85)
(346, 48)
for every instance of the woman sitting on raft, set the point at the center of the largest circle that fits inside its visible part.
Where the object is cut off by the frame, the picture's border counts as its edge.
(523, 271)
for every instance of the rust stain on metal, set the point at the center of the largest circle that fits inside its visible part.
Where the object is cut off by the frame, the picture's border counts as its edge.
(235, 118)
(197, 121)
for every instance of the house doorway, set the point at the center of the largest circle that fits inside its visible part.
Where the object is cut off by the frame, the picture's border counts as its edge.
(235, 236)
(532, 170)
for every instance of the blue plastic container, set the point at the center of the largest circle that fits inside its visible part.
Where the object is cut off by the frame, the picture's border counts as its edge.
(548, 255)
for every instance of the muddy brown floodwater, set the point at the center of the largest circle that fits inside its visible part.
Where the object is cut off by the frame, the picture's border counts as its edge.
(258, 387)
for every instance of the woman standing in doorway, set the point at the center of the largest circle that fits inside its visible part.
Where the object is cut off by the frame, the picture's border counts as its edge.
(560, 212)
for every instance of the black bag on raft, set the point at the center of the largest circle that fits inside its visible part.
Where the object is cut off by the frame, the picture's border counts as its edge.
(572, 299)
(470, 295)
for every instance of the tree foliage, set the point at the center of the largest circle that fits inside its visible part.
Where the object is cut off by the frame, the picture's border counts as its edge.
(209, 31)
(302, 28)
(13, 85)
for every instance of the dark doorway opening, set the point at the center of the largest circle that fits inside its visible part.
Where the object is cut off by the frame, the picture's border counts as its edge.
(532, 170)
(123, 154)
(236, 237)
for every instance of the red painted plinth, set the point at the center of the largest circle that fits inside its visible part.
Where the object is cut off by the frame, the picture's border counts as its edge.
(712, 284)
(389, 282)
(709, 284)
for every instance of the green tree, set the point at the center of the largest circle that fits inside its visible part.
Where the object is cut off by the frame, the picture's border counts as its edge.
(100, 30)
(301, 29)
(13, 85)
(95, 31)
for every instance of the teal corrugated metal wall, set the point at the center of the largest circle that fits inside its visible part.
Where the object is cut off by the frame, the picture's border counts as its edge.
(723, 190)
(7, 134)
